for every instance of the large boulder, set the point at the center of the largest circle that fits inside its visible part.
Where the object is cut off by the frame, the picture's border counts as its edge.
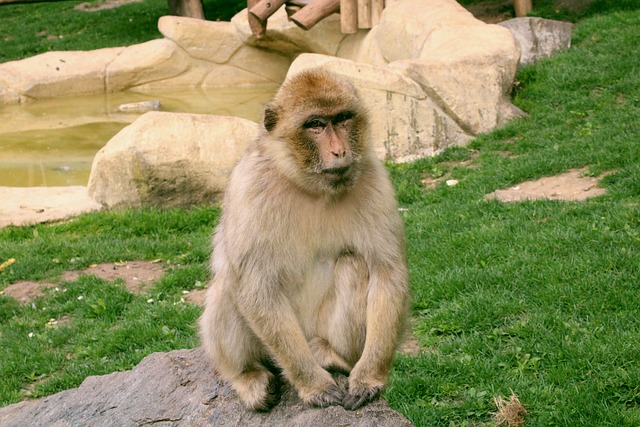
(468, 71)
(169, 159)
(405, 123)
(539, 38)
(179, 389)
(56, 74)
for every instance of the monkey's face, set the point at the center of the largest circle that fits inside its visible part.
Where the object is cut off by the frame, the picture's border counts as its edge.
(320, 119)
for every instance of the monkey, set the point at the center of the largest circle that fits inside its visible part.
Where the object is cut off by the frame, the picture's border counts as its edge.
(309, 275)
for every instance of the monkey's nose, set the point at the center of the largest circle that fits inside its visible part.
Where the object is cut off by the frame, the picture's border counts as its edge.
(339, 154)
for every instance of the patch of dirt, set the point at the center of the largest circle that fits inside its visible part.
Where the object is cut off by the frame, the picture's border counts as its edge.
(137, 275)
(25, 291)
(106, 4)
(569, 186)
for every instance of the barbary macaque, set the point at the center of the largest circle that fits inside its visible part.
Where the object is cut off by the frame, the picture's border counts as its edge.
(309, 270)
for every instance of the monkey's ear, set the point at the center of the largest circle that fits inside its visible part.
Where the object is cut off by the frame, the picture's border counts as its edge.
(270, 119)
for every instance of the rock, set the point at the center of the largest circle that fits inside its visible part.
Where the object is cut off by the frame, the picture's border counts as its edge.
(468, 71)
(266, 67)
(169, 159)
(539, 38)
(179, 389)
(287, 38)
(362, 47)
(140, 107)
(406, 25)
(8, 96)
(57, 74)
(405, 123)
(207, 40)
(152, 61)
(32, 205)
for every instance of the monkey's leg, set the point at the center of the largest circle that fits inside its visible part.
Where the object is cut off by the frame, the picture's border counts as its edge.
(278, 328)
(385, 315)
(236, 353)
(327, 357)
(345, 323)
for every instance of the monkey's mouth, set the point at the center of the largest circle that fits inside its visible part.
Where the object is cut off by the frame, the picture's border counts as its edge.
(337, 172)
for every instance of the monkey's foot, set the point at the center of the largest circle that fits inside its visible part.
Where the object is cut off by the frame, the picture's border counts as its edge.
(258, 390)
(329, 397)
(359, 395)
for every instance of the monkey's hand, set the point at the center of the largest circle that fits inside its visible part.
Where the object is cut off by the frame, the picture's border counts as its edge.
(361, 392)
(330, 394)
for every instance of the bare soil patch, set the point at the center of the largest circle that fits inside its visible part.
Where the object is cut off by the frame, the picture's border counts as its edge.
(137, 275)
(570, 186)
(25, 291)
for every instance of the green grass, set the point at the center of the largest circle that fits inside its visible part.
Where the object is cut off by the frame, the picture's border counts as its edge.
(538, 297)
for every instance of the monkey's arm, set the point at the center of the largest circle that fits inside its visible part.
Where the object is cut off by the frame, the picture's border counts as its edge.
(272, 319)
(386, 302)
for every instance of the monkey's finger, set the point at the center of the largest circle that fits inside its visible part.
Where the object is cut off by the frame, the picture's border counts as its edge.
(355, 400)
(330, 397)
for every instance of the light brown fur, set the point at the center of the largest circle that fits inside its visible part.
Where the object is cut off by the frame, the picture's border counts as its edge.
(308, 263)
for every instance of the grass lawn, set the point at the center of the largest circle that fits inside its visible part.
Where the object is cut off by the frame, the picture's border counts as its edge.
(541, 298)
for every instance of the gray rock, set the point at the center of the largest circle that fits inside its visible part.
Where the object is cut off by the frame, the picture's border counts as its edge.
(539, 38)
(178, 389)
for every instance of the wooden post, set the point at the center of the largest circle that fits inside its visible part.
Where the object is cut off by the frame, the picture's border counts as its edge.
(258, 27)
(522, 7)
(189, 8)
(349, 16)
(265, 8)
(317, 10)
(377, 6)
(364, 14)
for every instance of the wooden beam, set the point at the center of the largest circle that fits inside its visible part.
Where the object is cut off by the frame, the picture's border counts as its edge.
(349, 16)
(310, 15)
(265, 8)
(258, 27)
(364, 14)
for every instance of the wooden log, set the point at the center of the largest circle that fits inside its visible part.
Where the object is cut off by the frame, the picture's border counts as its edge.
(377, 6)
(265, 8)
(522, 7)
(258, 27)
(349, 16)
(291, 9)
(364, 14)
(301, 3)
(310, 15)
(189, 8)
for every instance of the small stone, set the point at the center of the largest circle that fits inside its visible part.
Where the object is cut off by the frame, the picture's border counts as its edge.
(140, 107)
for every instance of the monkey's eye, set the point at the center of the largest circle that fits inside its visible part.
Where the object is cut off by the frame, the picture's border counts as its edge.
(343, 117)
(314, 123)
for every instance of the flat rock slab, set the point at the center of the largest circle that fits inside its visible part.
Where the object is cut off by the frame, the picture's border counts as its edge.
(178, 388)
(31, 205)
(569, 186)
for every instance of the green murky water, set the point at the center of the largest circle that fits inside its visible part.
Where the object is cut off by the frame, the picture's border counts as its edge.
(53, 142)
